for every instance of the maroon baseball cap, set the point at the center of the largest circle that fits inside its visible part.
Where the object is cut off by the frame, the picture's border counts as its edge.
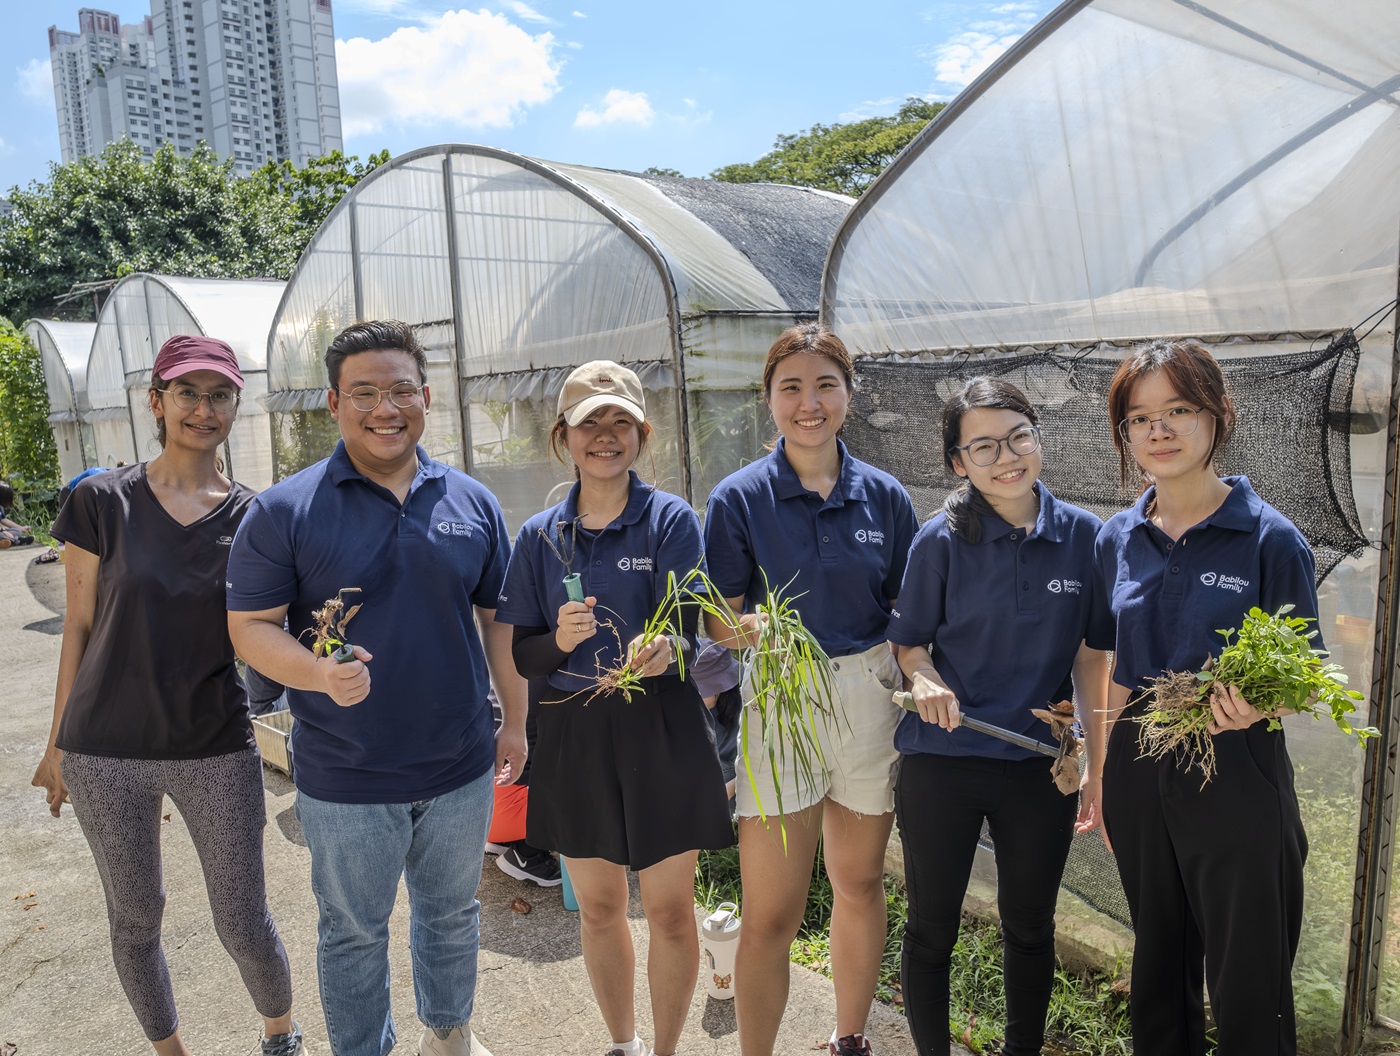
(185, 353)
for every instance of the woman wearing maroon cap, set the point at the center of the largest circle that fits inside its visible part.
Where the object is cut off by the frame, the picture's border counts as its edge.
(149, 702)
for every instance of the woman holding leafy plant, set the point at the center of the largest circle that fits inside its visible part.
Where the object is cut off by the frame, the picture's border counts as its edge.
(149, 702)
(806, 547)
(1213, 870)
(995, 618)
(624, 769)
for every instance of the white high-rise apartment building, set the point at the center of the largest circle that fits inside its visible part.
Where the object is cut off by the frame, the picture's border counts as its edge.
(255, 79)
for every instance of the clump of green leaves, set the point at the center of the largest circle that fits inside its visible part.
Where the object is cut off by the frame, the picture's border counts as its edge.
(1271, 661)
(626, 677)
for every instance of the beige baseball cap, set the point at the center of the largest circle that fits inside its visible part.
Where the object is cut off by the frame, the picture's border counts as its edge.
(601, 383)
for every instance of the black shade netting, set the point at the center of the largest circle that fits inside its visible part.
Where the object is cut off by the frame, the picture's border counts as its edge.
(1292, 440)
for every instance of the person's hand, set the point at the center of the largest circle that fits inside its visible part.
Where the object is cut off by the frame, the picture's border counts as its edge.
(346, 684)
(1091, 805)
(576, 624)
(936, 704)
(49, 777)
(511, 753)
(1230, 710)
(654, 657)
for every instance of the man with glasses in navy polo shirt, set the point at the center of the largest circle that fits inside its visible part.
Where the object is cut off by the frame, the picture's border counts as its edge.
(394, 749)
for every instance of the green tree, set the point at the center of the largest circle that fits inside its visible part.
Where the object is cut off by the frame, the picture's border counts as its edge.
(108, 215)
(843, 157)
(26, 443)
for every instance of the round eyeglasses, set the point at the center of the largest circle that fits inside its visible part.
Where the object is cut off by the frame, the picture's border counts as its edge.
(1176, 421)
(985, 451)
(187, 399)
(367, 397)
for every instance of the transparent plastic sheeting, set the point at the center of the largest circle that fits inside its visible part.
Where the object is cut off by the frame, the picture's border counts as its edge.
(1144, 168)
(141, 313)
(556, 265)
(63, 355)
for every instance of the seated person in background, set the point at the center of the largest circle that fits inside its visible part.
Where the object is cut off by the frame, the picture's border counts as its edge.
(11, 534)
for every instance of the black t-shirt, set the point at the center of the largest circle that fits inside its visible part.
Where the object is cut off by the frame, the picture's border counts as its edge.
(157, 680)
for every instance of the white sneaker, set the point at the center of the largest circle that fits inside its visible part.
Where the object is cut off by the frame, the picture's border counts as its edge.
(635, 1047)
(460, 1041)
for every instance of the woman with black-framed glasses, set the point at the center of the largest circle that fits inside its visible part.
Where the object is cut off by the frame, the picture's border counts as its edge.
(149, 704)
(996, 616)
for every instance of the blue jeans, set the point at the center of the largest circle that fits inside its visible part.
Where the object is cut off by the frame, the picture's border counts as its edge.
(358, 853)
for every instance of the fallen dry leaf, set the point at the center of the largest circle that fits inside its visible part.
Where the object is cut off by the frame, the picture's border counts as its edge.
(165, 817)
(8, 1048)
(967, 1034)
(21, 898)
(30, 905)
(519, 905)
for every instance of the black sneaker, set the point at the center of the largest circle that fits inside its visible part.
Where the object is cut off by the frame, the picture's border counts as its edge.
(541, 869)
(850, 1045)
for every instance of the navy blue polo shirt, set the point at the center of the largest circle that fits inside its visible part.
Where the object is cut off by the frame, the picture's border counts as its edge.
(1169, 599)
(625, 566)
(425, 729)
(1004, 619)
(840, 559)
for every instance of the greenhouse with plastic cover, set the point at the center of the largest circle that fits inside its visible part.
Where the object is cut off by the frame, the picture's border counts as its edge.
(141, 312)
(63, 354)
(1225, 171)
(514, 271)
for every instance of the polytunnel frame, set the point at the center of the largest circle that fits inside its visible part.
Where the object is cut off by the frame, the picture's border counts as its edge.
(540, 168)
(1381, 765)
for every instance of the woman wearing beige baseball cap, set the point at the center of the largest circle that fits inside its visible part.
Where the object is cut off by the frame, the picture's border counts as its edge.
(617, 783)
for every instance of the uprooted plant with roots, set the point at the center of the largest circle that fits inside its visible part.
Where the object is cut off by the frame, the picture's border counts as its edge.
(1271, 662)
(329, 623)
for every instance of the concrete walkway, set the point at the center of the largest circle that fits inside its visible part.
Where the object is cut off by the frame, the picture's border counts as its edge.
(59, 995)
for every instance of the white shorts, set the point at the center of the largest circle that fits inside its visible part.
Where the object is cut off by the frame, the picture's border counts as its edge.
(860, 761)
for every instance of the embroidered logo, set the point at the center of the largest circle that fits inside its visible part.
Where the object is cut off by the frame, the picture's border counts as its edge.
(1064, 586)
(454, 528)
(634, 564)
(1208, 578)
(225, 540)
(870, 535)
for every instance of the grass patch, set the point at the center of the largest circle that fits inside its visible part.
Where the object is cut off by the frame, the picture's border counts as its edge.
(1088, 1012)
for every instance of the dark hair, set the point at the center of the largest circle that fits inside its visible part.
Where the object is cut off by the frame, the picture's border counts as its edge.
(558, 445)
(1197, 378)
(966, 506)
(7, 494)
(815, 338)
(374, 335)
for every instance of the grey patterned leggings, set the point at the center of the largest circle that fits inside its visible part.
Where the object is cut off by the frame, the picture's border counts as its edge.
(118, 803)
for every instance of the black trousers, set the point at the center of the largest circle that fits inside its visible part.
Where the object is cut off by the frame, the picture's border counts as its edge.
(1214, 879)
(940, 803)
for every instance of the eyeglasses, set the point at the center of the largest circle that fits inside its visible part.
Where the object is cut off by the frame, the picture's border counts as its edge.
(986, 451)
(187, 399)
(1176, 421)
(367, 397)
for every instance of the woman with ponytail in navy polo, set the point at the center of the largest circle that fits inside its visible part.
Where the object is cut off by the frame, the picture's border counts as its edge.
(996, 616)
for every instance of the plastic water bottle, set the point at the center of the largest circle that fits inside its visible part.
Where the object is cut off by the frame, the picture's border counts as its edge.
(570, 899)
(719, 938)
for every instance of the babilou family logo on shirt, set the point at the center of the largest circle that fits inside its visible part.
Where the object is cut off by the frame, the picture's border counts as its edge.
(634, 564)
(1214, 579)
(454, 528)
(873, 536)
(1064, 586)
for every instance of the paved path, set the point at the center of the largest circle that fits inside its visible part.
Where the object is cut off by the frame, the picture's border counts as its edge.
(59, 995)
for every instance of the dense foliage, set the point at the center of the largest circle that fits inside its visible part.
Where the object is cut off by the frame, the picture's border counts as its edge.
(27, 450)
(105, 216)
(843, 157)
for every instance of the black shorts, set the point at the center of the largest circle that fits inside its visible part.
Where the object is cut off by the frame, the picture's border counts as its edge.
(630, 782)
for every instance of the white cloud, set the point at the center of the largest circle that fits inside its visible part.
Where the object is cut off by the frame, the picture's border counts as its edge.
(958, 61)
(574, 45)
(579, 14)
(619, 107)
(526, 13)
(400, 9)
(35, 80)
(469, 68)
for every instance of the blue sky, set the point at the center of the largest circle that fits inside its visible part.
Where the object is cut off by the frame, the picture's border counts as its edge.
(612, 83)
